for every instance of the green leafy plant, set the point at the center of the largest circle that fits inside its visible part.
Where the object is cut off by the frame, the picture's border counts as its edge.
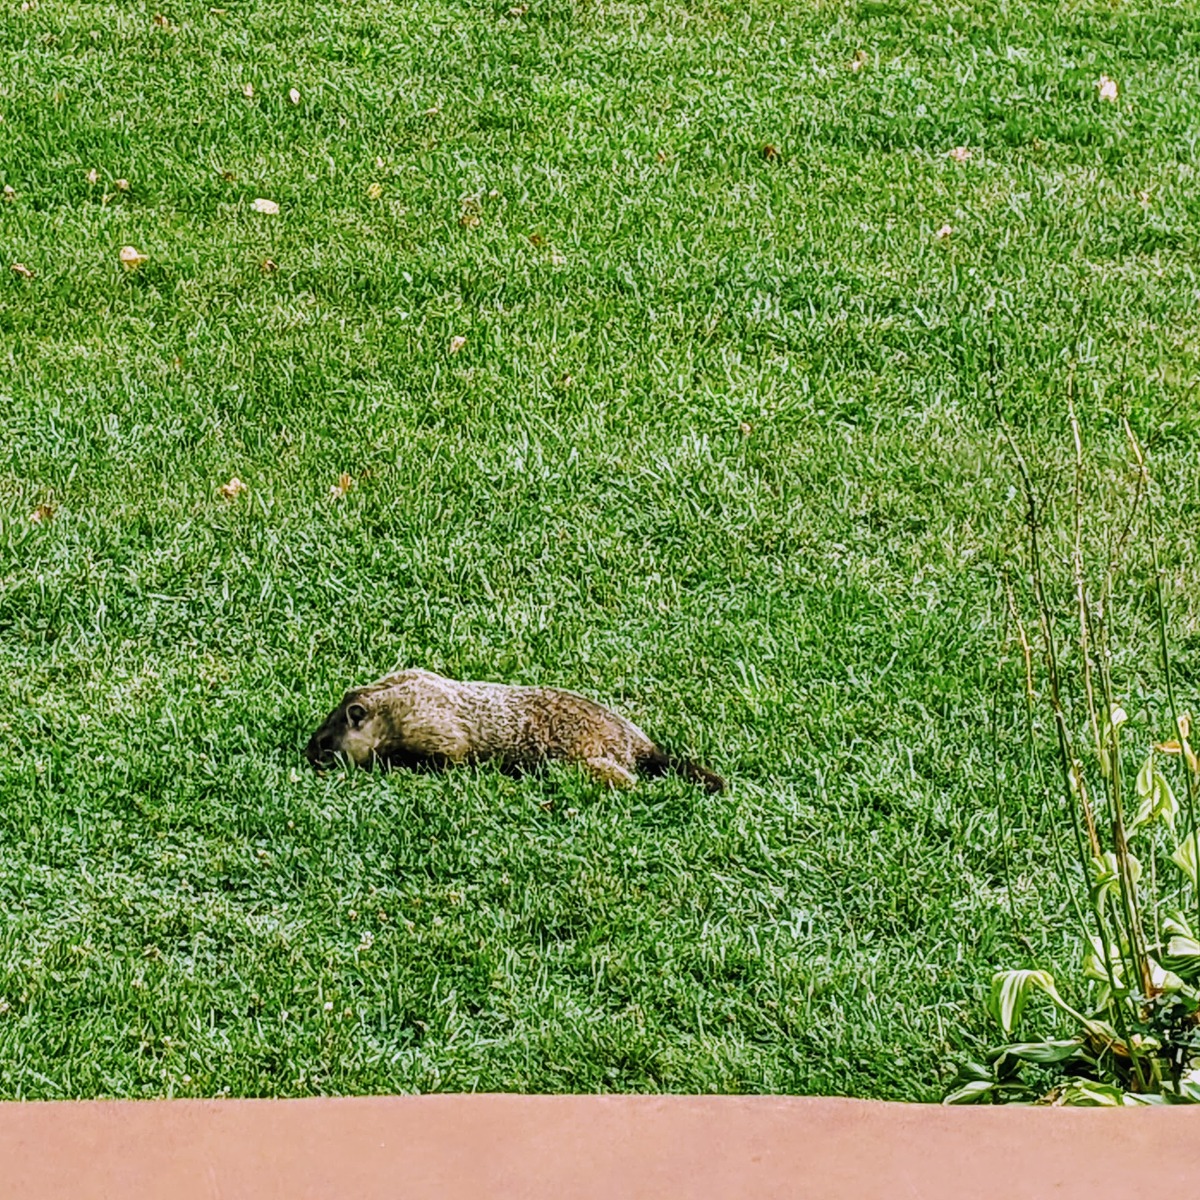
(1133, 1036)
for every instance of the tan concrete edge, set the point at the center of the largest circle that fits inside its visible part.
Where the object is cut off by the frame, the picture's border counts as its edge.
(586, 1146)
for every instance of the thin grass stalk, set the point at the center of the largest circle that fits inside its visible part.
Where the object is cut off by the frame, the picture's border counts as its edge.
(1002, 825)
(1035, 760)
(1135, 961)
(1066, 758)
(1161, 622)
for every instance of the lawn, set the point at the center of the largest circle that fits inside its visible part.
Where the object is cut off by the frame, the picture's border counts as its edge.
(717, 449)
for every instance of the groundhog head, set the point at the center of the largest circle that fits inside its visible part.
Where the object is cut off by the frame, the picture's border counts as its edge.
(353, 729)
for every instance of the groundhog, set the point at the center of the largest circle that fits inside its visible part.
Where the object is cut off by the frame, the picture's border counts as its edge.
(420, 720)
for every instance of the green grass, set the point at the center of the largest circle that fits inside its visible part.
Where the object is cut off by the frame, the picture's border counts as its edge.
(717, 451)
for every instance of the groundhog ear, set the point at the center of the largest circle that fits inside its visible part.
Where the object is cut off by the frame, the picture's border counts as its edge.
(356, 714)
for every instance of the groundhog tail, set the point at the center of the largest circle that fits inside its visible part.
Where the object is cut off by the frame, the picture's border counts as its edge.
(660, 762)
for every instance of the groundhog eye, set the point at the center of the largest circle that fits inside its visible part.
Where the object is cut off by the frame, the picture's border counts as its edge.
(356, 714)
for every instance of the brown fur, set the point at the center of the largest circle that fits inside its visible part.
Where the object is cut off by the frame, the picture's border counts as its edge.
(420, 720)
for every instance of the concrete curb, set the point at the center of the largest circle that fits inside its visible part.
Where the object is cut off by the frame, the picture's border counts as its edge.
(561, 1147)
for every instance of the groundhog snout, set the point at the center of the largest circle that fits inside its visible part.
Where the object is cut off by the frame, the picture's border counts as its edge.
(318, 751)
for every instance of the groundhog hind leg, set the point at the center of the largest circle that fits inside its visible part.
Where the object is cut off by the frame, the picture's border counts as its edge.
(609, 771)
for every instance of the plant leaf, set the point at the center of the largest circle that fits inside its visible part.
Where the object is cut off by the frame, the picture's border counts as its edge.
(1086, 1093)
(1011, 991)
(1185, 856)
(1050, 1051)
(1106, 880)
(970, 1093)
(1157, 799)
(1144, 781)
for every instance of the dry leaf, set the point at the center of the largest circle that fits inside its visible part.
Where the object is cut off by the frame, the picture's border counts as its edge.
(265, 206)
(745, 429)
(858, 61)
(294, 95)
(268, 266)
(944, 233)
(248, 91)
(344, 484)
(456, 344)
(42, 514)
(379, 163)
(234, 488)
(93, 176)
(432, 112)
(661, 156)
(122, 185)
(518, 10)
(229, 177)
(22, 270)
(565, 382)
(1172, 747)
(469, 216)
(162, 21)
(375, 190)
(132, 258)
(536, 239)
(960, 153)
(769, 152)
(1107, 88)
(9, 192)
(1144, 197)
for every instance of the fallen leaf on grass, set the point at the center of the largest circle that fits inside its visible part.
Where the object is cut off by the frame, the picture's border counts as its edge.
(122, 185)
(248, 91)
(469, 217)
(1144, 197)
(268, 266)
(132, 258)
(294, 95)
(536, 239)
(518, 10)
(960, 153)
(457, 343)
(944, 233)
(344, 484)
(379, 163)
(432, 111)
(162, 22)
(234, 488)
(42, 514)
(374, 191)
(262, 205)
(9, 192)
(745, 429)
(21, 270)
(859, 60)
(769, 152)
(1107, 88)
(93, 176)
